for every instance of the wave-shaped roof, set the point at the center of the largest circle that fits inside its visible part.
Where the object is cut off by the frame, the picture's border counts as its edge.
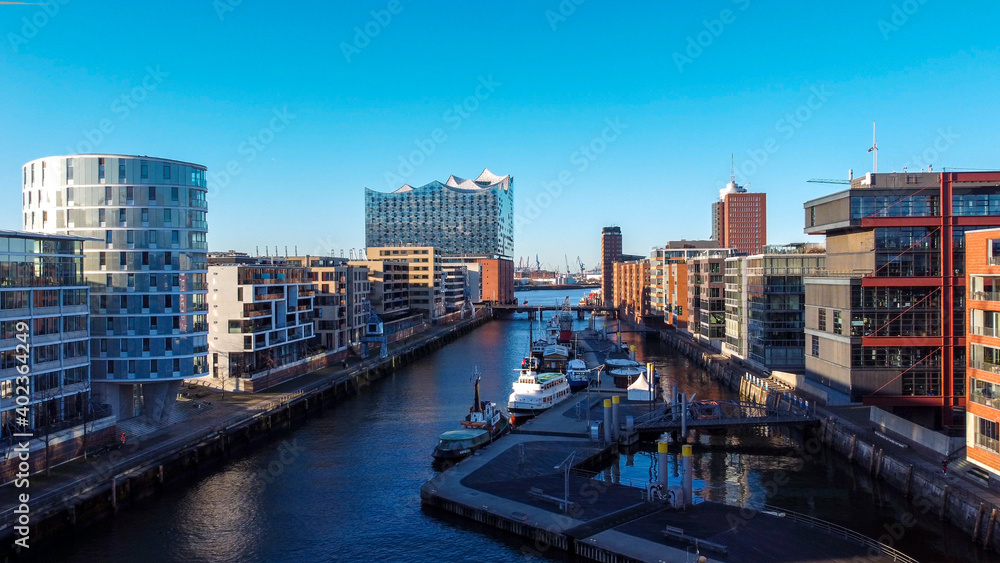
(486, 181)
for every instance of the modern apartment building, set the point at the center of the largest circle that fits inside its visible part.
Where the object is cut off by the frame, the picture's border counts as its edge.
(885, 323)
(389, 287)
(342, 287)
(145, 261)
(982, 281)
(706, 298)
(676, 295)
(426, 276)
(735, 292)
(455, 279)
(773, 306)
(611, 252)
(659, 257)
(260, 316)
(632, 289)
(44, 305)
(739, 219)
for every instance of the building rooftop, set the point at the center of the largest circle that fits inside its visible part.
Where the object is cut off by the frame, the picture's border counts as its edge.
(485, 181)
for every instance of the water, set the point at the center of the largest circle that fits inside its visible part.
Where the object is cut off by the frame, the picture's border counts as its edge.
(347, 484)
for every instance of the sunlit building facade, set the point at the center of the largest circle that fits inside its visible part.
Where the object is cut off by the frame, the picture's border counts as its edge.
(145, 261)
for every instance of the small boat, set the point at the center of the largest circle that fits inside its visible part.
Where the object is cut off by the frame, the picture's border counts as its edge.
(535, 393)
(530, 363)
(484, 424)
(577, 374)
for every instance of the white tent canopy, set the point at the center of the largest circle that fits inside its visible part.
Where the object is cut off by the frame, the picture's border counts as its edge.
(640, 390)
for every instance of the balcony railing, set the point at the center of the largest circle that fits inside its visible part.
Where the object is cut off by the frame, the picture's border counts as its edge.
(986, 295)
(985, 366)
(994, 260)
(986, 443)
(977, 396)
(986, 331)
(268, 296)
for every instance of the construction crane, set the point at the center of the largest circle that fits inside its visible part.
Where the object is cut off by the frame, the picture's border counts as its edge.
(826, 181)
(568, 271)
(538, 265)
(581, 264)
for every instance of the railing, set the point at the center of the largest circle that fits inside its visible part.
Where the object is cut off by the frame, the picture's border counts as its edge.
(986, 295)
(841, 531)
(994, 260)
(268, 296)
(986, 331)
(985, 366)
(987, 443)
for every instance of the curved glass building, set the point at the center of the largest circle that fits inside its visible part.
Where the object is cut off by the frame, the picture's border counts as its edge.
(145, 262)
(459, 216)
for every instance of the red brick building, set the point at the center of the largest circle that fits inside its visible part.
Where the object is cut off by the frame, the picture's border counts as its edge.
(982, 282)
(739, 219)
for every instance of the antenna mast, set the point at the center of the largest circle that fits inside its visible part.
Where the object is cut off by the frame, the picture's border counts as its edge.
(732, 167)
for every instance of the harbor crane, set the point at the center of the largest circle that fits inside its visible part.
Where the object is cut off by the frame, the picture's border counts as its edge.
(568, 271)
(581, 264)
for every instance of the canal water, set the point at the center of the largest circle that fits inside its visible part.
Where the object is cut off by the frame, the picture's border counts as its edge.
(345, 487)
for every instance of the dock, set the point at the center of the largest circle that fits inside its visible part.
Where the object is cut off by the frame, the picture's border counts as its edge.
(523, 485)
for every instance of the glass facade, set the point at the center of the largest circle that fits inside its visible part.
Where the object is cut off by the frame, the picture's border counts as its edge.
(775, 292)
(44, 332)
(145, 258)
(471, 217)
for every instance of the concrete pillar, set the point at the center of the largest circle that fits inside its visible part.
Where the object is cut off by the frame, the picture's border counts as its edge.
(661, 452)
(673, 402)
(158, 399)
(608, 435)
(688, 478)
(615, 422)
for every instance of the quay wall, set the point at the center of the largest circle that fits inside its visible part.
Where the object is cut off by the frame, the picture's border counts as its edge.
(928, 491)
(121, 478)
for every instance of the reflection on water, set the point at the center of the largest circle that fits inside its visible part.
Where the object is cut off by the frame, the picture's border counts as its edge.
(351, 492)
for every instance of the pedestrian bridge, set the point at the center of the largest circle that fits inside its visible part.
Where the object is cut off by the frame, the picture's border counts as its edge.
(720, 415)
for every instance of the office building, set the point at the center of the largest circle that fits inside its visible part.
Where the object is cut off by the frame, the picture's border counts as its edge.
(611, 252)
(765, 307)
(145, 260)
(44, 333)
(739, 219)
(885, 324)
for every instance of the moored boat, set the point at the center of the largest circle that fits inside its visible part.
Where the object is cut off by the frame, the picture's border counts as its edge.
(484, 424)
(535, 393)
(577, 374)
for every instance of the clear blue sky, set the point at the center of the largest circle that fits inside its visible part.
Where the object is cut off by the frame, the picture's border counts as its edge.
(917, 68)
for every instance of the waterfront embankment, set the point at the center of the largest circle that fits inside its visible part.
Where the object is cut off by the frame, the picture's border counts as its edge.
(951, 496)
(79, 493)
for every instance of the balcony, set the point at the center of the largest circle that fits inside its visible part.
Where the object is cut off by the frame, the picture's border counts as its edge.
(990, 331)
(986, 295)
(985, 366)
(268, 296)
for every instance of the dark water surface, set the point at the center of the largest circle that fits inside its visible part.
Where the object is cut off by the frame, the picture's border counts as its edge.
(348, 483)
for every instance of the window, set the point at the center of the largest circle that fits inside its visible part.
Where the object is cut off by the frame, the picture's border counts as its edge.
(144, 171)
(69, 195)
(838, 327)
(815, 345)
(166, 171)
(107, 237)
(145, 259)
(821, 322)
(130, 194)
(100, 170)
(108, 194)
(166, 216)
(988, 435)
(129, 237)
(144, 215)
(175, 237)
(174, 195)
(121, 216)
(121, 172)
(152, 193)
(69, 170)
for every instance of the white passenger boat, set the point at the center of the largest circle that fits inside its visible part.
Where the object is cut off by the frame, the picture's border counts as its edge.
(535, 393)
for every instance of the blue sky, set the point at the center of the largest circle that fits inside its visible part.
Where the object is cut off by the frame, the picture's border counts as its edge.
(622, 113)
